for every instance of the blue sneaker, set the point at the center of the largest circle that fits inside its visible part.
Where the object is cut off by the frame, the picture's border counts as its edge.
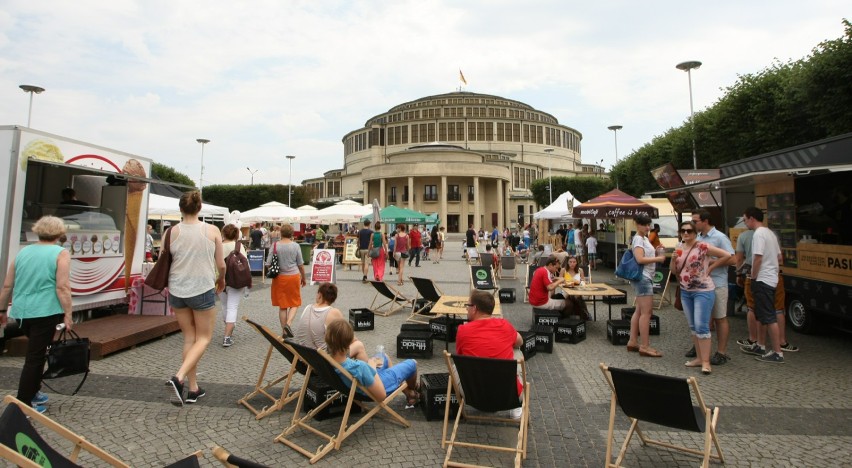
(40, 398)
(40, 408)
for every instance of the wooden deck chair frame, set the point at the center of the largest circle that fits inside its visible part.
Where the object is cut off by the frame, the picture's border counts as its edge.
(263, 388)
(677, 400)
(530, 271)
(321, 364)
(42, 448)
(486, 390)
(229, 460)
(429, 291)
(506, 260)
(396, 301)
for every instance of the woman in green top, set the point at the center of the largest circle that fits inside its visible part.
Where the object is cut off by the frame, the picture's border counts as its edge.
(39, 282)
(379, 240)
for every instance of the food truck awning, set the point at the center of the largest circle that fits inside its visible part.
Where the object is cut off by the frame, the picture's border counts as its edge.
(743, 180)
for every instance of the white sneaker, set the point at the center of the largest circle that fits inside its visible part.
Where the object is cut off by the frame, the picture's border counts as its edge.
(516, 413)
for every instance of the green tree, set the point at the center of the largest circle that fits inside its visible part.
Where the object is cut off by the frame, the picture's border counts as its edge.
(246, 197)
(583, 188)
(169, 174)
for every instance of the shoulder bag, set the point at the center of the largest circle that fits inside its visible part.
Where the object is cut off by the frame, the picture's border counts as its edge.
(158, 277)
(273, 268)
(68, 355)
(629, 268)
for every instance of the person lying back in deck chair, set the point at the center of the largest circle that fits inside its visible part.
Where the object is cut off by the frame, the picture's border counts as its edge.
(379, 375)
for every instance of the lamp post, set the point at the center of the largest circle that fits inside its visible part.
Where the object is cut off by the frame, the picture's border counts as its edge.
(32, 90)
(252, 172)
(688, 67)
(290, 182)
(203, 142)
(549, 173)
(615, 129)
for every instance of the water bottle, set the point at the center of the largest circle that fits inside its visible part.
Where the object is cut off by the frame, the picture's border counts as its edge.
(380, 355)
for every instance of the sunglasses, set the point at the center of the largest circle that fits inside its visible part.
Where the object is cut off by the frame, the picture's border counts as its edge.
(687, 231)
(468, 305)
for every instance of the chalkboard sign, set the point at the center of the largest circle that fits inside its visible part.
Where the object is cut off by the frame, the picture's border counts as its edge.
(482, 277)
(255, 259)
(350, 249)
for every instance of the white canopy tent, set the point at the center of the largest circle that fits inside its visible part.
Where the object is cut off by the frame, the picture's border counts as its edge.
(272, 211)
(161, 207)
(561, 208)
(347, 211)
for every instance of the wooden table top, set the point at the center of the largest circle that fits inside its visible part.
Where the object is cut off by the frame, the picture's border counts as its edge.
(455, 305)
(592, 289)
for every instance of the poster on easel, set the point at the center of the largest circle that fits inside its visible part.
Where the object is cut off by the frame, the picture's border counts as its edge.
(322, 266)
(350, 251)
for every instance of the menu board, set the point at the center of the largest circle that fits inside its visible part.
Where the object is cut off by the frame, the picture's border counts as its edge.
(350, 249)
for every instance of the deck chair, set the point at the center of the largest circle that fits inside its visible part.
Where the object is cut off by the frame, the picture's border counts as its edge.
(530, 272)
(16, 424)
(428, 290)
(263, 388)
(321, 365)
(396, 301)
(482, 278)
(662, 400)
(508, 265)
(232, 461)
(488, 385)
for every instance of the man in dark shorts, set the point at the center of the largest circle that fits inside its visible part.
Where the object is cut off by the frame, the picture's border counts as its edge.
(364, 248)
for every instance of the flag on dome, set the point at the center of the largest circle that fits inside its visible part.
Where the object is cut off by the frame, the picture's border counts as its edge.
(461, 77)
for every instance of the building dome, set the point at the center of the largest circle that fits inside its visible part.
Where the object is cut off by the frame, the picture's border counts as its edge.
(469, 157)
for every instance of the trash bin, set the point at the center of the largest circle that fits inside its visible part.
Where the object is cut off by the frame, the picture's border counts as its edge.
(306, 252)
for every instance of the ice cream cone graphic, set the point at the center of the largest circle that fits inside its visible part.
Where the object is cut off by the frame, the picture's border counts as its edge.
(135, 190)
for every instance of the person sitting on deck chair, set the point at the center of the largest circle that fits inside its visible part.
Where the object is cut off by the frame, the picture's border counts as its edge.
(379, 375)
(312, 325)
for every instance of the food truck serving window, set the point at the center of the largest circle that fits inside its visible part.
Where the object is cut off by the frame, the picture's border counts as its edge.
(824, 208)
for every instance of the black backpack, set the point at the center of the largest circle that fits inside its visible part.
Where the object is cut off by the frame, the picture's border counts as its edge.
(237, 271)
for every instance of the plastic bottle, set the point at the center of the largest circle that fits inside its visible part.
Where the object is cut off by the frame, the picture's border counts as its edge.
(380, 355)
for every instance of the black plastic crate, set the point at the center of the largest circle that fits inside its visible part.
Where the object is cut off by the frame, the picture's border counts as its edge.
(415, 327)
(445, 328)
(618, 331)
(414, 344)
(528, 346)
(545, 316)
(627, 314)
(571, 330)
(544, 336)
(433, 401)
(612, 300)
(362, 319)
(507, 295)
(318, 391)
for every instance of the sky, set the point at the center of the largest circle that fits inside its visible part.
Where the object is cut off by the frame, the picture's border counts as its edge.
(263, 79)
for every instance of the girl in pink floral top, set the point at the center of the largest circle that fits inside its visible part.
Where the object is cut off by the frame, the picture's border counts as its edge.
(691, 262)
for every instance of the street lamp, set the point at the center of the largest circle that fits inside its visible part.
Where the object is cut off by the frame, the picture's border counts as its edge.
(32, 90)
(290, 182)
(688, 67)
(252, 172)
(615, 129)
(549, 174)
(203, 142)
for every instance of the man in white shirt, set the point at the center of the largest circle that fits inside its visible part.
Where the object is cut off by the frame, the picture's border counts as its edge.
(766, 257)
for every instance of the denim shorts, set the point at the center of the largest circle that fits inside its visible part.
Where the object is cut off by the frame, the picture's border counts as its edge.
(203, 301)
(643, 287)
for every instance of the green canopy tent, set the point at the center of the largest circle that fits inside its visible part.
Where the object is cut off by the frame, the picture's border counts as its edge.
(396, 215)
(433, 219)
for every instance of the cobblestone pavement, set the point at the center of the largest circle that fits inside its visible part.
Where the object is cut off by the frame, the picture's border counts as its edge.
(795, 414)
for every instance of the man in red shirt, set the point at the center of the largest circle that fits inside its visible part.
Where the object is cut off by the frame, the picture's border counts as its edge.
(416, 245)
(484, 335)
(543, 283)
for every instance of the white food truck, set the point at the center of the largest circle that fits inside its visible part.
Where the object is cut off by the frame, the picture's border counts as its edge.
(105, 222)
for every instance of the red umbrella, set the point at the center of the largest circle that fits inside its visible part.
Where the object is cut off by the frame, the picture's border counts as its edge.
(614, 204)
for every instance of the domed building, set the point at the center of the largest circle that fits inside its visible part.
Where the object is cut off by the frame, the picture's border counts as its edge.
(469, 157)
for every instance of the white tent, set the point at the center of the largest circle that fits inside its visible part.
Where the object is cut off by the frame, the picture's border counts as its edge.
(561, 208)
(272, 211)
(167, 208)
(347, 211)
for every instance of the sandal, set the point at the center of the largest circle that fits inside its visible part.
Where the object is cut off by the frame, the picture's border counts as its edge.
(705, 370)
(693, 363)
(632, 348)
(412, 400)
(650, 352)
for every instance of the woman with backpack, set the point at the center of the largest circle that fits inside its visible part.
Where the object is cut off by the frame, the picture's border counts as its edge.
(234, 289)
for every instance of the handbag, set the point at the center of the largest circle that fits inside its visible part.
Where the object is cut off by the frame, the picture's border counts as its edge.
(273, 268)
(68, 355)
(678, 304)
(158, 277)
(629, 268)
(375, 252)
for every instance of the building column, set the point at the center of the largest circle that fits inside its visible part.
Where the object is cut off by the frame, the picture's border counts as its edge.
(383, 199)
(508, 215)
(500, 205)
(366, 196)
(443, 197)
(410, 193)
(477, 213)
